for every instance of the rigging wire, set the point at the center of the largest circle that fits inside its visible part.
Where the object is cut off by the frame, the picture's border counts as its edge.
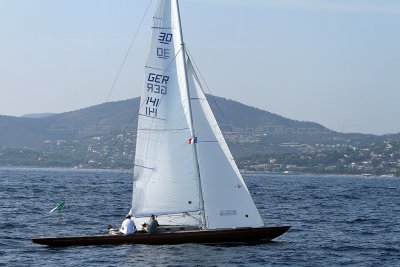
(124, 59)
(214, 100)
(115, 82)
(128, 51)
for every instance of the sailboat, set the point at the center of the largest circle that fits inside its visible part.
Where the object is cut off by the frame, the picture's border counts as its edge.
(184, 172)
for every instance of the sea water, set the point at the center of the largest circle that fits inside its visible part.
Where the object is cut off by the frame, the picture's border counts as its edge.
(336, 221)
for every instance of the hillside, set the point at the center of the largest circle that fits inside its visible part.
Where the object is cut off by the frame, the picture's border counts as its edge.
(248, 130)
(108, 118)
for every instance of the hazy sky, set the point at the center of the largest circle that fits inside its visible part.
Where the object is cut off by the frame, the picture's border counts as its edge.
(334, 62)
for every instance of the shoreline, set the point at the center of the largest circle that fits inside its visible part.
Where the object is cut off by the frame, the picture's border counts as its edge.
(243, 172)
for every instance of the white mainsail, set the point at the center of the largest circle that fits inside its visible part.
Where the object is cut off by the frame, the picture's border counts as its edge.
(191, 184)
(165, 172)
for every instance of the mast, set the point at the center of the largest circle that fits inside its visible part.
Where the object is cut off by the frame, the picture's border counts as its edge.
(183, 53)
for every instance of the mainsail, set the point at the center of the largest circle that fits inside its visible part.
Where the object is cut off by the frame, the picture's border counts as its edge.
(184, 171)
(165, 172)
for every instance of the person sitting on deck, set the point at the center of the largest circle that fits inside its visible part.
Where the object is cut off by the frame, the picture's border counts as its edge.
(151, 226)
(128, 226)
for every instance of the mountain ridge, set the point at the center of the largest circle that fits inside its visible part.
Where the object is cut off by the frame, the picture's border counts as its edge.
(111, 118)
(37, 115)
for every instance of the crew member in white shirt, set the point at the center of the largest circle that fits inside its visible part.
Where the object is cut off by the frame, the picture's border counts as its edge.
(128, 226)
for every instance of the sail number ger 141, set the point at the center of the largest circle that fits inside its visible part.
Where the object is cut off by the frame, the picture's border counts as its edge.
(157, 83)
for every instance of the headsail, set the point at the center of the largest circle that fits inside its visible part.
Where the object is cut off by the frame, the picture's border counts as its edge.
(227, 202)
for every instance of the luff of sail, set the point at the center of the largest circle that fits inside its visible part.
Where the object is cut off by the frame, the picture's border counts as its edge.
(165, 174)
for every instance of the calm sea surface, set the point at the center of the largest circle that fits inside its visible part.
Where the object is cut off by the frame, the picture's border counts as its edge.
(336, 221)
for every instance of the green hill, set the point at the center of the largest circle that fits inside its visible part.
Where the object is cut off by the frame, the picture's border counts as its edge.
(248, 130)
